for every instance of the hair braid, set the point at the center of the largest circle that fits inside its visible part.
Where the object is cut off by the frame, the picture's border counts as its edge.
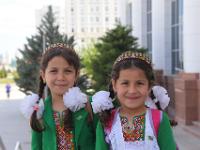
(36, 124)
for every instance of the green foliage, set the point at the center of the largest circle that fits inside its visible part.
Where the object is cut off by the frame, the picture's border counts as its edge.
(3, 73)
(28, 66)
(98, 60)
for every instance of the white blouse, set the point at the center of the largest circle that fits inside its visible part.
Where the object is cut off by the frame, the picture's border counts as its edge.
(116, 140)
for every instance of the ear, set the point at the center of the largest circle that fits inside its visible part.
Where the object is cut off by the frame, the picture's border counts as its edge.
(42, 74)
(114, 85)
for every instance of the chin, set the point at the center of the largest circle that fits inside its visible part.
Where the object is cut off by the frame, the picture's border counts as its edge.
(132, 106)
(60, 93)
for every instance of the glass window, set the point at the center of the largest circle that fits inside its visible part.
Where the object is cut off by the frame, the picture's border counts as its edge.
(149, 23)
(149, 42)
(149, 26)
(173, 13)
(148, 5)
(176, 36)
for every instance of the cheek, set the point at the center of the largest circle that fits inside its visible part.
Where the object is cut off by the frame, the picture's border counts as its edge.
(120, 93)
(72, 79)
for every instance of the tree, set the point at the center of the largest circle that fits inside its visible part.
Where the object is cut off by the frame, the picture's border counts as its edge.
(99, 59)
(28, 64)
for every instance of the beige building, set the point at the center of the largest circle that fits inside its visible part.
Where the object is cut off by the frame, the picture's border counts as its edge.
(87, 20)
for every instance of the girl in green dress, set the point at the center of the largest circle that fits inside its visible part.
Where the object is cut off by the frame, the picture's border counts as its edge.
(61, 121)
(131, 125)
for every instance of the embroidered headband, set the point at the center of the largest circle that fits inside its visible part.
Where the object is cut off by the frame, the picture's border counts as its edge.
(134, 55)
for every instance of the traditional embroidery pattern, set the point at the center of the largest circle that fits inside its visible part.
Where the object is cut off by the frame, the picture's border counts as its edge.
(64, 138)
(133, 131)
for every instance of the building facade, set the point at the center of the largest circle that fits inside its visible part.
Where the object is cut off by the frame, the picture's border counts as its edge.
(87, 20)
(169, 29)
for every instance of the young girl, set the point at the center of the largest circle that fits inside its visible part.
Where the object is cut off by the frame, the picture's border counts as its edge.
(131, 125)
(62, 121)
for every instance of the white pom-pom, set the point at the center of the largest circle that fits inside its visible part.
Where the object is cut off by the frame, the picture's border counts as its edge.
(101, 101)
(74, 99)
(161, 95)
(27, 105)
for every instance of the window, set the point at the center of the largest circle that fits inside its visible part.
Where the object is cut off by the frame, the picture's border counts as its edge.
(176, 36)
(149, 26)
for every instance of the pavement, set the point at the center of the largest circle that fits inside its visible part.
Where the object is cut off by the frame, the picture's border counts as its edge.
(14, 128)
(185, 140)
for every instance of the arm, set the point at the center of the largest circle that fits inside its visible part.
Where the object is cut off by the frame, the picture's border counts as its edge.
(165, 135)
(36, 142)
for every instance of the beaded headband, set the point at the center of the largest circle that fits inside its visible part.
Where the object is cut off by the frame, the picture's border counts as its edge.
(133, 55)
(60, 45)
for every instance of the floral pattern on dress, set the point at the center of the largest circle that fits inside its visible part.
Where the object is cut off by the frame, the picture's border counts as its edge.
(64, 138)
(133, 131)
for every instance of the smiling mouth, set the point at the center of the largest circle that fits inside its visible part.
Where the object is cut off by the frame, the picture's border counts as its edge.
(133, 98)
(60, 85)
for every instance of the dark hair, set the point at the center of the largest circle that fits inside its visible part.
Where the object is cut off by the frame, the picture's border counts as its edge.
(152, 96)
(72, 58)
(123, 64)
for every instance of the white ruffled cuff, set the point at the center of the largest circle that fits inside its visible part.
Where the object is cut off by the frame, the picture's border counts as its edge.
(101, 101)
(74, 99)
(29, 104)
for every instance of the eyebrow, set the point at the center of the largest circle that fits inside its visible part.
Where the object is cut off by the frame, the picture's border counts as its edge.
(125, 80)
(68, 67)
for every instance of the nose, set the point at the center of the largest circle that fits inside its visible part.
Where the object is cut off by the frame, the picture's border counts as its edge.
(132, 88)
(60, 76)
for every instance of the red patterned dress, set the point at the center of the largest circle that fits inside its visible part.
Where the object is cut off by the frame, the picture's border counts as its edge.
(64, 138)
(134, 130)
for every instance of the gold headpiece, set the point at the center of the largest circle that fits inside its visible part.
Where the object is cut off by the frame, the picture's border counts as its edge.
(61, 45)
(130, 54)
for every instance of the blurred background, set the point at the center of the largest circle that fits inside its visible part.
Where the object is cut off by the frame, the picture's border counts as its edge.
(100, 30)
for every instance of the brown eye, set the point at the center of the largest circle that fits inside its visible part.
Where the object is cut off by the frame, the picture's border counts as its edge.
(68, 71)
(124, 83)
(140, 83)
(53, 71)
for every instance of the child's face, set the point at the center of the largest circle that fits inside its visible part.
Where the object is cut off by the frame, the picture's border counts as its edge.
(132, 88)
(59, 76)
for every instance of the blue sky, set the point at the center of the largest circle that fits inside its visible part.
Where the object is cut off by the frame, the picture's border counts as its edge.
(17, 21)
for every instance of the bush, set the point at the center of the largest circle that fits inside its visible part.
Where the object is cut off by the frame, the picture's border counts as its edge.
(3, 73)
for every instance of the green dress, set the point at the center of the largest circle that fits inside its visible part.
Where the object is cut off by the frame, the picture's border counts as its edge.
(84, 136)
